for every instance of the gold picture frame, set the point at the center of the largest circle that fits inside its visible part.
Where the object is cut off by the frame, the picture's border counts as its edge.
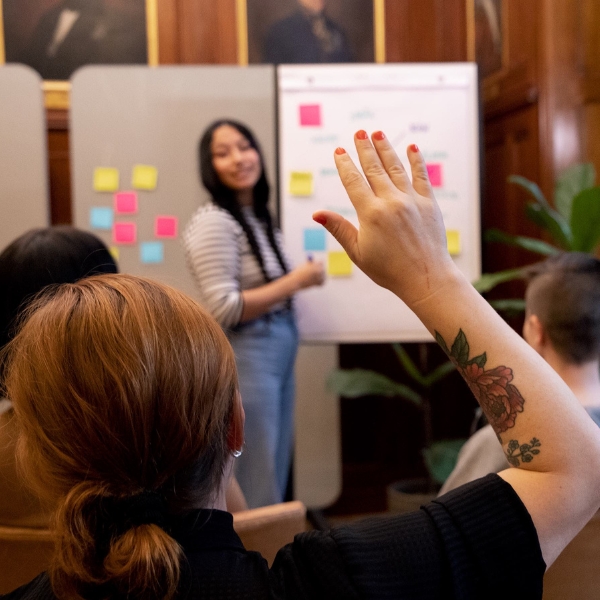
(378, 31)
(56, 93)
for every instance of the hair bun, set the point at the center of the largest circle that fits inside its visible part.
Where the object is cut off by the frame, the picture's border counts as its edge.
(146, 508)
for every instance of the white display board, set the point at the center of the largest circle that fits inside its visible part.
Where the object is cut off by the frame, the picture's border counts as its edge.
(320, 108)
(24, 202)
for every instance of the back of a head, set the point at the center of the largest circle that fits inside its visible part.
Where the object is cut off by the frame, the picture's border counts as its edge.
(42, 257)
(123, 389)
(564, 293)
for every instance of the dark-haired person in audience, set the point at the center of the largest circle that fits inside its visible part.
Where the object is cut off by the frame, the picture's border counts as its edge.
(562, 324)
(36, 259)
(143, 366)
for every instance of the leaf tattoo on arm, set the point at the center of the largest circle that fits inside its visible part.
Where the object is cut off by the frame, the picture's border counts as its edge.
(500, 400)
(525, 452)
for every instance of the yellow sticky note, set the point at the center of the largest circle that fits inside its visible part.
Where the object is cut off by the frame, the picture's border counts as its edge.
(106, 179)
(144, 177)
(453, 240)
(114, 252)
(301, 183)
(339, 264)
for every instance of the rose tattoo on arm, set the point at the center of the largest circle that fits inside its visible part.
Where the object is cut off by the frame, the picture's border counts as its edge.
(500, 400)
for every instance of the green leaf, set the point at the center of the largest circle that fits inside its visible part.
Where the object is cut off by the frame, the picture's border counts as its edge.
(585, 220)
(460, 349)
(408, 365)
(442, 342)
(479, 360)
(552, 222)
(531, 244)
(571, 182)
(510, 306)
(440, 458)
(489, 281)
(530, 187)
(439, 373)
(355, 383)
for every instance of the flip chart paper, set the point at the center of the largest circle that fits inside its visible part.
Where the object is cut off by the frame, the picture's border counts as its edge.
(101, 217)
(152, 252)
(106, 179)
(124, 233)
(314, 239)
(310, 115)
(301, 183)
(165, 227)
(453, 239)
(126, 203)
(339, 264)
(144, 177)
(434, 170)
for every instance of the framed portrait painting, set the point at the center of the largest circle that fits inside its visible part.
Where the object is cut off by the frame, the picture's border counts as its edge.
(488, 46)
(56, 37)
(311, 31)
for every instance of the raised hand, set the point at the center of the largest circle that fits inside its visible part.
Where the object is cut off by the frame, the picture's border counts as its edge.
(401, 240)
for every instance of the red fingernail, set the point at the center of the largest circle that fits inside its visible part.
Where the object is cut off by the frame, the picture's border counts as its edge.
(414, 148)
(320, 219)
(340, 151)
(379, 135)
(362, 135)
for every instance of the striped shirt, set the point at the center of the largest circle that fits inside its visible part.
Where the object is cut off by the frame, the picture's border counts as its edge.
(220, 258)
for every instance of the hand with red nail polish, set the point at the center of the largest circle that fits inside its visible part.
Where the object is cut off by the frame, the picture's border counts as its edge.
(401, 241)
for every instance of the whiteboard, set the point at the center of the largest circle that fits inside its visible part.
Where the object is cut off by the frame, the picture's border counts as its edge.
(123, 116)
(320, 108)
(24, 202)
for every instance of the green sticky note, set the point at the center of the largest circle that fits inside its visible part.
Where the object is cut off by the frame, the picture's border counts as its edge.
(301, 183)
(453, 240)
(106, 179)
(144, 177)
(339, 264)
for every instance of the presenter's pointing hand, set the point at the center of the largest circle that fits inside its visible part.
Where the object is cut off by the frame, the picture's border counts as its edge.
(401, 240)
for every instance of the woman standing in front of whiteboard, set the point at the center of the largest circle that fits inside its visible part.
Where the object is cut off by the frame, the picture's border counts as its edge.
(235, 255)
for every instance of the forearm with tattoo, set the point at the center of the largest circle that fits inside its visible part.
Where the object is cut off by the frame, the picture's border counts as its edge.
(500, 400)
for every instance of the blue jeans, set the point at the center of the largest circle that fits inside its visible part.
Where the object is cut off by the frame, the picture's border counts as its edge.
(265, 352)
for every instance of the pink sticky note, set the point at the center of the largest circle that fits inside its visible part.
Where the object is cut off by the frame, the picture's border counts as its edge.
(434, 171)
(126, 202)
(124, 233)
(310, 115)
(165, 227)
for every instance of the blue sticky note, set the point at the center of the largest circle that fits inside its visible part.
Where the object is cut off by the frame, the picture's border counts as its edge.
(152, 252)
(314, 239)
(101, 217)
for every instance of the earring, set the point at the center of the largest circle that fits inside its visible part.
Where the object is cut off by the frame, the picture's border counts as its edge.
(237, 453)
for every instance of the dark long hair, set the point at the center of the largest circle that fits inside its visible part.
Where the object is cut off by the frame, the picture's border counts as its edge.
(41, 257)
(226, 197)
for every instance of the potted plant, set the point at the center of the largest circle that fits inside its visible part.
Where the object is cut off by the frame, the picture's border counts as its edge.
(439, 456)
(573, 225)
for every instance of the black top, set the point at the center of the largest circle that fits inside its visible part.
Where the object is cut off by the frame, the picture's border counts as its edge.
(476, 542)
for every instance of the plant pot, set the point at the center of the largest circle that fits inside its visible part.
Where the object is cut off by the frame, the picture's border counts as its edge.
(409, 495)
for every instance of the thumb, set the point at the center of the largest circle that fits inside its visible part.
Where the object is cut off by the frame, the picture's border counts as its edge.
(341, 229)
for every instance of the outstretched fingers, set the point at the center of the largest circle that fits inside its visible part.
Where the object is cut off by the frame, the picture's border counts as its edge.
(372, 166)
(390, 161)
(420, 176)
(357, 188)
(341, 229)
